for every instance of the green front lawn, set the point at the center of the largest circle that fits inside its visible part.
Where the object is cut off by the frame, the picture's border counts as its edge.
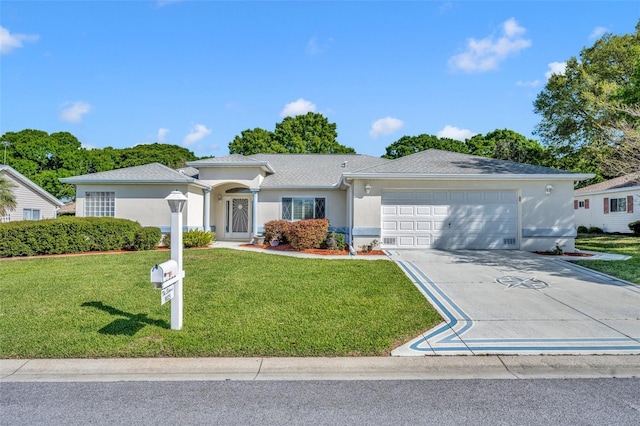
(628, 245)
(236, 303)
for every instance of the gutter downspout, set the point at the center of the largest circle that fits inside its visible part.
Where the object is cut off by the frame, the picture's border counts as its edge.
(349, 211)
(206, 219)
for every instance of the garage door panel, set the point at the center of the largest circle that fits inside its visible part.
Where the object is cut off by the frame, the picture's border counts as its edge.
(450, 219)
(406, 226)
(389, 225)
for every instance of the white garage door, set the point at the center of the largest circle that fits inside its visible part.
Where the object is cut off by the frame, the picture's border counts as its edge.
(450, 219)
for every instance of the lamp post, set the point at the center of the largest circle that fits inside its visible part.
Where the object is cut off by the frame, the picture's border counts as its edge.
(6, 144)
(176, 201)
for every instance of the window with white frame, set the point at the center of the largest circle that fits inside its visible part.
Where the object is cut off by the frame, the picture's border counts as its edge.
(30, 214)
(617, 205)
(298, 208)
(100, 204)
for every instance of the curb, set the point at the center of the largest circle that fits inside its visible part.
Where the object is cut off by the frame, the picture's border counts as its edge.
(304, 369)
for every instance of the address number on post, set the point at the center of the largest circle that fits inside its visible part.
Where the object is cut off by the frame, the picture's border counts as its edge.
(167, 294)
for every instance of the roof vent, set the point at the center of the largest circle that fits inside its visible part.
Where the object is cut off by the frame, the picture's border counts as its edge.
(344, 164)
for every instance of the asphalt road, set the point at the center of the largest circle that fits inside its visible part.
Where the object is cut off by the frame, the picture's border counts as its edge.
(441, 402)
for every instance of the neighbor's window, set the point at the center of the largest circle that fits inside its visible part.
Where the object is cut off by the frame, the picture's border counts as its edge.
(618, 205)
(30, 214)
(303, 208)
(100, 204)
(581, 204)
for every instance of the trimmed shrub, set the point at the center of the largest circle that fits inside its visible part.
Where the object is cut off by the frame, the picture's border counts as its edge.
(582, 229)
(635, 227)
(277, 230)
(595, 230)
(147, 238)
(68, 235)
(335, 241)
(307, 234)
(191, 238)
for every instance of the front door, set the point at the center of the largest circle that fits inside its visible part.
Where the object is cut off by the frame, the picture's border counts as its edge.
(237, 218)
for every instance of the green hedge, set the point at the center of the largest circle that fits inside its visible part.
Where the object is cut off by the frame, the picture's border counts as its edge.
(192, 238)
(635, 227)
(74, 235)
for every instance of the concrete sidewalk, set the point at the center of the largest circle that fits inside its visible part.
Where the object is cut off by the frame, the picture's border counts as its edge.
(364, 368)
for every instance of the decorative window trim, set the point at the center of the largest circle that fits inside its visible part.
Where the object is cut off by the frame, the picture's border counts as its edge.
(100, 203)
(299, 208)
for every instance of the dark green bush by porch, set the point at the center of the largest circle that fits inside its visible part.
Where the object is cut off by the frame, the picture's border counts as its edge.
(635, 227)
(74, 235)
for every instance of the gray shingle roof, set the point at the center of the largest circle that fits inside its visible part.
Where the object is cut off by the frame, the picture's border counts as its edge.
(437, 162)
(626, 181)
(312, 170)
(148, 173)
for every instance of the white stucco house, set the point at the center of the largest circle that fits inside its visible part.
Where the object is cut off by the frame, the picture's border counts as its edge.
(32, 202)
(610, 205)
(431, 199)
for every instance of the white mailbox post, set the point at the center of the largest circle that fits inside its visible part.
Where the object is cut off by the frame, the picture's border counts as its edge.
(176, 202)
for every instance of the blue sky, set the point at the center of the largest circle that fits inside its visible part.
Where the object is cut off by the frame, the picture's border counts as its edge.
(197, 73)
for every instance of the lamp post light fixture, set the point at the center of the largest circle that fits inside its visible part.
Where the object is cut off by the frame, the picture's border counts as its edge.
(176, 201)
(6, 144)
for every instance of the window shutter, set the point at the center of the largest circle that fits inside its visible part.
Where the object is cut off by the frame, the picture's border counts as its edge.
(606, 206)
(575, 204)
(319, 208)
(286, 208)
(586, 203)
(629, 203)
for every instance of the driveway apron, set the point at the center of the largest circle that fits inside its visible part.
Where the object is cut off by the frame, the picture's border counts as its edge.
(514, 302)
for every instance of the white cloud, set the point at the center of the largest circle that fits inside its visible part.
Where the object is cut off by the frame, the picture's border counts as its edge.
(486, 54)
(299, 107)
(598, 32)
(162, 134)
(198, 131)
(72, 112)
(453, 132)
(556, 68)
(532, 83)
(316, 47)
(385, 126)
(9, 41)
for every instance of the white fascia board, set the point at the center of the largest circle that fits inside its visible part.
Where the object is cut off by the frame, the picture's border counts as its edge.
(298, 187)
(134, 182)
(422, 176)
(607, 191)
(262, 164)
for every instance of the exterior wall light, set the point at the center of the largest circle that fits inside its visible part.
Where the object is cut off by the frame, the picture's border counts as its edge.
(219, 198)
(548, 189)
(367, 188)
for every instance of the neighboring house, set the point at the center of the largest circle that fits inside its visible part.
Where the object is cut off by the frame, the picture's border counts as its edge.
(610, 205)
(32, 202)
(431, 199)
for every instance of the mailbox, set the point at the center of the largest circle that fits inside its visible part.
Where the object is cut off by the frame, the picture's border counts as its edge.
(164, 272)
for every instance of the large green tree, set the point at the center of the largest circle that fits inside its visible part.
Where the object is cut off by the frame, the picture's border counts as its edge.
(309, 133)
(44, 157)
(591, 105)
(408, 145)
(254, 141)
(7, 199)
(505, 144)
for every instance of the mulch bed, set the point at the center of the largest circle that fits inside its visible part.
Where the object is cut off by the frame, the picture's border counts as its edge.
(325, 252)
(571, 254)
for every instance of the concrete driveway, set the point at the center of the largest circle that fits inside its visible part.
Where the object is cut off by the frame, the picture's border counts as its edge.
(513, 302)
